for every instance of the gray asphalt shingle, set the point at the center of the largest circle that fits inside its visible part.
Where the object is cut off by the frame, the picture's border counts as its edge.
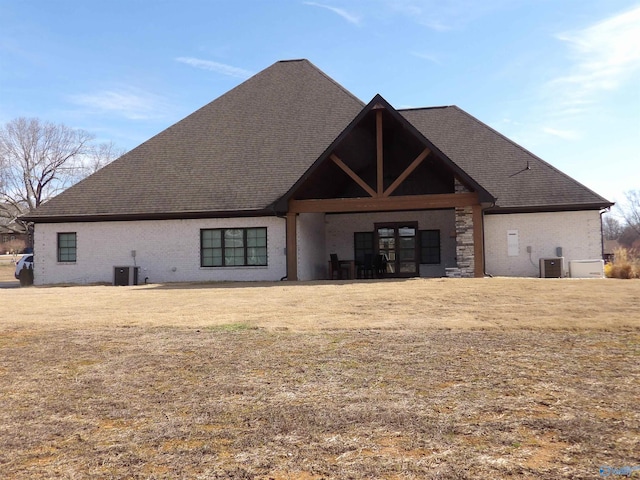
(245, 150)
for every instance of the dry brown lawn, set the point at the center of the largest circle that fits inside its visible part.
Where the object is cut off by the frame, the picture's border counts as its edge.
(7, 269)
(448, 379)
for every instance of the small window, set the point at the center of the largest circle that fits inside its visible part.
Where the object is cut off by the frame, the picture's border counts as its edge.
(228, 247)
(362, 244)
(430, 247)
(67, 247)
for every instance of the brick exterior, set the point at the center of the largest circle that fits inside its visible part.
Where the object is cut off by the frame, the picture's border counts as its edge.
(577, 233)
(166, 251)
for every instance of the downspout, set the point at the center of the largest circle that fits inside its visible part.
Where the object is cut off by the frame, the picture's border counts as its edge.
(484, 245)
(602, 212)
(286, 256)
(286, 263)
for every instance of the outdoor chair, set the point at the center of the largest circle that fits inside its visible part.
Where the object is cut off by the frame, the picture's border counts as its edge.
(379, 265)
(337, 268)
(366, 268)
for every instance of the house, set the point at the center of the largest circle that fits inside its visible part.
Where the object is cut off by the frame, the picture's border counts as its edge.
(11, 242)
(268, 180)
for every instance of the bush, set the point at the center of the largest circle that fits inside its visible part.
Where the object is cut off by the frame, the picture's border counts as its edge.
(626, 264)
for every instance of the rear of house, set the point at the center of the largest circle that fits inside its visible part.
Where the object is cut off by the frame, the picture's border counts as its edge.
(269, 180)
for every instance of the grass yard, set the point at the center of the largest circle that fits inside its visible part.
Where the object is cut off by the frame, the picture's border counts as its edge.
(443, 378)
(7, 269)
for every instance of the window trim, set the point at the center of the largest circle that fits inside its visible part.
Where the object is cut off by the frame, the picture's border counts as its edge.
(67, 248)
(245, 247)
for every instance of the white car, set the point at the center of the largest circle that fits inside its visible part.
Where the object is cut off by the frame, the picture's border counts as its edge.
(25, 262)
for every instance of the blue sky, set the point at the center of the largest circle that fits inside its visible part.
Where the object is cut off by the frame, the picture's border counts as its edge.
(559, 77)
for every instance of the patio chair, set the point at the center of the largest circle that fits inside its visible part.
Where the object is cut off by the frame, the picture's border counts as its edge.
(337, 268)
(366, 268)
(379, 265)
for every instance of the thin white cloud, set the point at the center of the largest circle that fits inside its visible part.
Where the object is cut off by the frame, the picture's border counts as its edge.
(128, 102)
(215, 67)
(564, 134)
(604, 56)
(444, 16)
(349, 17)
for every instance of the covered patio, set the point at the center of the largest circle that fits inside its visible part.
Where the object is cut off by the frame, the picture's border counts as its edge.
(381, 188)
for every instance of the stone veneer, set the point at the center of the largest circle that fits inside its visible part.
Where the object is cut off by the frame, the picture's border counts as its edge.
(464, 240)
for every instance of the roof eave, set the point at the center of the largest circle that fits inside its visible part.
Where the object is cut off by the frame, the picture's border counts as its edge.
(572, 207)
(130, 217)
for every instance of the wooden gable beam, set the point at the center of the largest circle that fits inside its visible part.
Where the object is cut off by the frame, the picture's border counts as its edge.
(384, 204)
(354, 176)
(403, 176)
(379, 153)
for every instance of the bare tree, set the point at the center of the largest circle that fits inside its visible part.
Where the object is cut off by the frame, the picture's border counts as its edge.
(101, 155)
(631, 210)
(612, 228)
(38, 160)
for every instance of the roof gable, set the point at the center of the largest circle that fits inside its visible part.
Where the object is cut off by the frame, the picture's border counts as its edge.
(354, 151)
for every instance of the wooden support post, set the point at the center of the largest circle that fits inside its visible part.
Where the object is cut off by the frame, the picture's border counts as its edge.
(292, 247)
(478, 241)
(379, 153)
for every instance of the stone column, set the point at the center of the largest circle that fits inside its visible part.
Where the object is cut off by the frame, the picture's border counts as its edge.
(465, 248)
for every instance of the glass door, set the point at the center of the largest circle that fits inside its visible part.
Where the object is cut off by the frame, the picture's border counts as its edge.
(398, 243)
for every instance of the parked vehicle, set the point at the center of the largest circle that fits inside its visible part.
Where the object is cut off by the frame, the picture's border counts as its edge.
(24, 270)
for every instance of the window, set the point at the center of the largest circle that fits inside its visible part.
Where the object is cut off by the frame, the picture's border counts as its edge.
(362, 244)
(228, 247)
(430, 246)
(67, 247)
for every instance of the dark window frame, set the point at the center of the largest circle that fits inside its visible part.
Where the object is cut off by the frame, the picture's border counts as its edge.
(67, 253)
(359, 251)
(430, 251)
(224, 248)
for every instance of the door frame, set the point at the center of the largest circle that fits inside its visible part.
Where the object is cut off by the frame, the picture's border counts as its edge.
(396, 226)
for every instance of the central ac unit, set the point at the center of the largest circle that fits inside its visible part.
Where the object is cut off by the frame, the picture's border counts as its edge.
(552, 267)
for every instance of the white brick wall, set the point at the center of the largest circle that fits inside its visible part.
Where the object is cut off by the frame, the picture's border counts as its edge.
(312, 262)
(577, 233)
(166, 251)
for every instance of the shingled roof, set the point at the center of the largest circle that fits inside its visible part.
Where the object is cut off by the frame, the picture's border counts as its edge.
(239, 153)
(242, 152)
(518, 179)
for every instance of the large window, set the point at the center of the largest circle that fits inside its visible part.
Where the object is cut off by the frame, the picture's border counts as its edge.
(228, 247)
(362, 244)
(67, 247)
(430, 246)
